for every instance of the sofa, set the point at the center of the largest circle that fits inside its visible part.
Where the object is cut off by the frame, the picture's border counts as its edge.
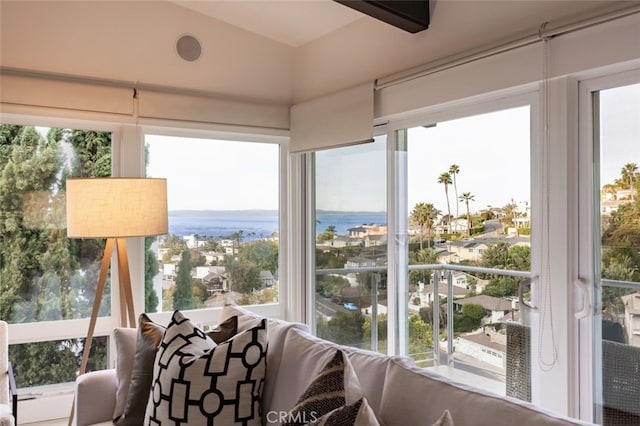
(394, 390)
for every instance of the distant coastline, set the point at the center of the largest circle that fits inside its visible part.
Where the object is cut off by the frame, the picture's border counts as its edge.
(260, 223)
(264, 212)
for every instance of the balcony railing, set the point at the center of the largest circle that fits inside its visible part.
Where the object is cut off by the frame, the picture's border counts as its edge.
(435, 357)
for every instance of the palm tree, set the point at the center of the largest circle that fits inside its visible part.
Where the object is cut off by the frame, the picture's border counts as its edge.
(628, 173)
(445, 179)
(466, 197)
(454, 169)
(423, 215)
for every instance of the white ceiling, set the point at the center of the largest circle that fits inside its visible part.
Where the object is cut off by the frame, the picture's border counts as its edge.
(291, 22)
(298, 22)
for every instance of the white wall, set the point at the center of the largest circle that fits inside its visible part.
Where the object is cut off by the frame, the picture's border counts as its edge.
(135, 41)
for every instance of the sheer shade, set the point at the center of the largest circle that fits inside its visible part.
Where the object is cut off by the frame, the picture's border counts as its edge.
(340, 119)
(116, 207)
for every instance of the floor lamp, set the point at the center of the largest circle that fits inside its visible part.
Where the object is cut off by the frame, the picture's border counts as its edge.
(115, 208)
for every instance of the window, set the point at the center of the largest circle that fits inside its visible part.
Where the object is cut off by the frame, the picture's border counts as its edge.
(45, 276)
(351, 245)
(616, 113)
(468, 184)
(223, 240)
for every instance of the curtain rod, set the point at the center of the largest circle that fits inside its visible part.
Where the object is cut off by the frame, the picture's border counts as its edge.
(478, 54)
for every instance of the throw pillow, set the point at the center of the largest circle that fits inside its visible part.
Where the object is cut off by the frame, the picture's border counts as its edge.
(444, 420)
(125, 339)
(198, 383)
(334, 394)
(357, 414)
(149, 337)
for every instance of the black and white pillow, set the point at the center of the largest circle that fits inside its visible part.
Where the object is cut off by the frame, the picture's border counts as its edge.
(334, 397)
(196, 382)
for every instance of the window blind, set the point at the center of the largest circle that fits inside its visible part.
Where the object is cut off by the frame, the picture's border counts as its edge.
(339, 119)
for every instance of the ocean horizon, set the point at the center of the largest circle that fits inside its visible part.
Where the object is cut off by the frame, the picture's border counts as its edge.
(259, 224)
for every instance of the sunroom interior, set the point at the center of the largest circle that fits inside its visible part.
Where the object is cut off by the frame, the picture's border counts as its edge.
(349, 114)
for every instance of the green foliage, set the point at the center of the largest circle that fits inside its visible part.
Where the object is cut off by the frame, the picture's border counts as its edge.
(262, 254)
(244, 275)
(345, 328)
(331, 284)
(174, 245)
(151, 267)
(44, 276)
(328, 235)
(183, 295)
(501, 287)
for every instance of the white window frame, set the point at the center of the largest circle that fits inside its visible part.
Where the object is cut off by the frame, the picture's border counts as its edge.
(589, 374)
(55, 401)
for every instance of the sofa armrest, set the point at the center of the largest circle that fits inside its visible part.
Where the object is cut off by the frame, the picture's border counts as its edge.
(95, 397)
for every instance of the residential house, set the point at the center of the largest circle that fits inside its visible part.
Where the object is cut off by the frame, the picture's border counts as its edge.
(496, 307)
(632, 317)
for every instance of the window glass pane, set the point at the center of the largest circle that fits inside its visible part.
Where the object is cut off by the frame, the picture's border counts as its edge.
(619, 254)
(223, 224)
(351, 245)
(45, 276)
(469, 215)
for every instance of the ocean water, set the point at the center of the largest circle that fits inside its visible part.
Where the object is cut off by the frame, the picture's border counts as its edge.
(257, 226)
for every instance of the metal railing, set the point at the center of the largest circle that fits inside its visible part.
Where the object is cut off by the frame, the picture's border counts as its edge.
(444, 271)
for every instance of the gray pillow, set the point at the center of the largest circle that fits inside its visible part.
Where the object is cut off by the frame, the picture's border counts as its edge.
(125, 339)
(149, 338)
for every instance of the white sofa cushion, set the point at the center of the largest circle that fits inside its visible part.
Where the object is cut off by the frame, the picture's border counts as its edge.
(414, 395)
(305, 355)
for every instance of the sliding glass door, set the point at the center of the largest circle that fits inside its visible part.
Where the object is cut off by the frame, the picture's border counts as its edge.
(616, 250)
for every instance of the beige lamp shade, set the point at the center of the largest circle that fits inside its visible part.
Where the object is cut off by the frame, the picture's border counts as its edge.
(116, 207)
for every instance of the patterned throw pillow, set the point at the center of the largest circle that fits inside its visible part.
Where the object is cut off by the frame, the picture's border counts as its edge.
(198, 383)
(333, 398)
(149, 337)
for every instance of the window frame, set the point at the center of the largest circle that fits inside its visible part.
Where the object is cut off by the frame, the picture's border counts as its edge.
(589, 372)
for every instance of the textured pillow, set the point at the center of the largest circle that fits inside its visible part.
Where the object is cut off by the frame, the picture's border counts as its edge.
(140, 370)
(334, 394)
(196, 382)
(444, 420)
(149, 338)
(357, 414)
(125, 339)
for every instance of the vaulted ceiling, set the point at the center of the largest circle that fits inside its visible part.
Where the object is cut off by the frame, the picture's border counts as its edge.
(279, 51)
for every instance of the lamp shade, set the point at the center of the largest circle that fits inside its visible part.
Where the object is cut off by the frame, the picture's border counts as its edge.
(116, 207)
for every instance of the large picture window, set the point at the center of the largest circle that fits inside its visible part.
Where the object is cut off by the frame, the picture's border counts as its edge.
(223, 239)
(45, 276)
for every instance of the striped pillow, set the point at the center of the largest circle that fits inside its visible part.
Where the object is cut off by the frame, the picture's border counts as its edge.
(333, 398)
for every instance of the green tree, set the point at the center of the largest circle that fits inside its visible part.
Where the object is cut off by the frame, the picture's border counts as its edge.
(629, 176)
(244, 275)
(445, 179)
(328, 234)
(454, 170)
(345, 328)
(466, 197)
(183, 294)
(420, 337)
(424, 215)
(43, 274)
(150, 271)
(262, 254)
